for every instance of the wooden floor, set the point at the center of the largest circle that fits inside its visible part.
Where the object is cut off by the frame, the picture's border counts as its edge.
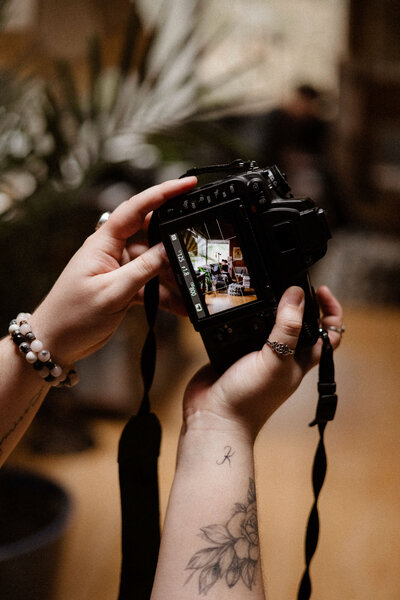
(217, 301)
(359, 547)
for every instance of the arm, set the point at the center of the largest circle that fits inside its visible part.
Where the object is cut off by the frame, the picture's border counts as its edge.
(85, 306)
(210, 536)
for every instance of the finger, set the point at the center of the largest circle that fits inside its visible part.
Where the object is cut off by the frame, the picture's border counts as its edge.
(128, 218)
(121, 285)
(332, 313)
(288, 323)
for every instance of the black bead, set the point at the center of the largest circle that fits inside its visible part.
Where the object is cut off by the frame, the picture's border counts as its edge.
(24, 348)
(18, 338)
(50, 365)
(30, 336)
(49, 378)
(38, 365)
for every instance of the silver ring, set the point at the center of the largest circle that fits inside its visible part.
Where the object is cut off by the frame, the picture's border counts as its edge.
(339, 330)
(103, 219)
(279, 348)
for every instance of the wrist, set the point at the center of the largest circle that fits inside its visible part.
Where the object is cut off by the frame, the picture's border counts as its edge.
(35, 353)
(215, 422)
(205, 437)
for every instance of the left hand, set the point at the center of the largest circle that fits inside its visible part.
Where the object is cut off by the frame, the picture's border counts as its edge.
(104, 278)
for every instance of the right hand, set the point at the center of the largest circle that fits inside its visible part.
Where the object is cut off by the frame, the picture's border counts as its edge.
(247, 394)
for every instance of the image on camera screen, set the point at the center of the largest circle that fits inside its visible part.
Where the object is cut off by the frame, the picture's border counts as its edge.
(218, 264)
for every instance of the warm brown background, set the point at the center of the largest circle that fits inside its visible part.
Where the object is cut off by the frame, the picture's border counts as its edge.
(357, 557)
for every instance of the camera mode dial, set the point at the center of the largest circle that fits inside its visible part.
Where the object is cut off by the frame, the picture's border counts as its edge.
(277, 180)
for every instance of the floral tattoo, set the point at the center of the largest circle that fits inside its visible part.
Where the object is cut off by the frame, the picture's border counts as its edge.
(234, 552)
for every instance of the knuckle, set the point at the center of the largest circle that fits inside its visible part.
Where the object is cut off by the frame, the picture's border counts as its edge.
(290, 326)
(144, 264)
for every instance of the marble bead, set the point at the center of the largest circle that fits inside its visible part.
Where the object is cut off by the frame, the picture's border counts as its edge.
(44, 355)
(25, 328)
(44, 372)
(56, 371)
(31, 357)
(36, 346)
(24, 348)
(14, 328)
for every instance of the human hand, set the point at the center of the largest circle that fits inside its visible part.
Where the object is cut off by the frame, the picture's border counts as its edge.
(105, 277)
(248, 393)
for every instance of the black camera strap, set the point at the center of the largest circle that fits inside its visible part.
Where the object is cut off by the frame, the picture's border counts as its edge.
(138, 453)
(326, 408)
(235, 165)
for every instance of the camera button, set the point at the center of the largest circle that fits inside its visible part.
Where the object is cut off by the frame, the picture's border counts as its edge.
(185, 204)
(193, 204)
(170, 212)
(262, 201)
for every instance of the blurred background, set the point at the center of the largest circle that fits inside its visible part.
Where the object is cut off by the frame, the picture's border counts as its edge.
(99, 100)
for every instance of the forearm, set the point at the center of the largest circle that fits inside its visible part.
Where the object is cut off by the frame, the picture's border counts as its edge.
(210, 536)
(21, 393)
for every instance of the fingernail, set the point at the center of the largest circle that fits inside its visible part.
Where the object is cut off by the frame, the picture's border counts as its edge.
(294, 296)
(162, 251)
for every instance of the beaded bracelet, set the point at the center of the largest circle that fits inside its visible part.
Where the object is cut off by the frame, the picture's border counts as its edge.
(21, 334)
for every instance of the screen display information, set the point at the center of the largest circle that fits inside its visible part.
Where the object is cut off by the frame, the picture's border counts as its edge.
(187, 275)
(216, 265)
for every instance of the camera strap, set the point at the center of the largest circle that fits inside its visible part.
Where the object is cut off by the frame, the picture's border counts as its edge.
(138, 453)
(326, 408)
(235, 165)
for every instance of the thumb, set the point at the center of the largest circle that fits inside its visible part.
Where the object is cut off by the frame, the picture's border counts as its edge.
(288, 323)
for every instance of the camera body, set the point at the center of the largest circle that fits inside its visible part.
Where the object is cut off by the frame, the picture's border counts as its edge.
(235, 245)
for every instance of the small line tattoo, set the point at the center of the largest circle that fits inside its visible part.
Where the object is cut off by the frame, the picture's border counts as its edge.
(232, 552)
(14, 426)
(229, 452)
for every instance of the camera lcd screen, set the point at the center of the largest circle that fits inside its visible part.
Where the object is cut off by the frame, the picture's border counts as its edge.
(217, 265)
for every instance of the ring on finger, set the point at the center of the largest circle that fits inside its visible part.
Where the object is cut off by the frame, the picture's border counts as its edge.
(103, 219)
(279, 348)
(339, 330)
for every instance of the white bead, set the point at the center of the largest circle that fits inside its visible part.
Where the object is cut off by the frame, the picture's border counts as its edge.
(23, 317)
(25, 328)
(36, 346)
(44, 372)
(44, 355)
(31, 357)
(56, 371)
(13, 328)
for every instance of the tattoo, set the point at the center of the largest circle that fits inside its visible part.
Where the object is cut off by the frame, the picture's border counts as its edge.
(14, 426)
(234, 550)
(227, 456)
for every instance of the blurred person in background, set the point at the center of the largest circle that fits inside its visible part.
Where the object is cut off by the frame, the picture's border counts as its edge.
(298, 138)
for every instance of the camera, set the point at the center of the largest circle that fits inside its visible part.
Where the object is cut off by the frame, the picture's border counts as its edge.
(235, 245)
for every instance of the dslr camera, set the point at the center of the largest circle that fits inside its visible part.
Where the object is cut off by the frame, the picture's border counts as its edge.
(235, 245)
